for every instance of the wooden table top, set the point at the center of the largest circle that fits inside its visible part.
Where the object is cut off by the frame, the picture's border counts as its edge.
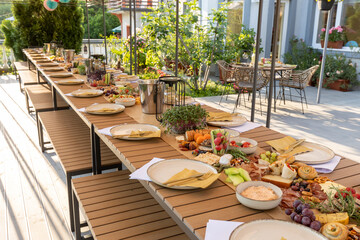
(191, 209)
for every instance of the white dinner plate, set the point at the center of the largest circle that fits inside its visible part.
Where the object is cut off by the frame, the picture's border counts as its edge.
(60, 75)
(52, 69)
(124, 129)
(85, 93)
(50, 64)
(105, 109)
(274, 230)
(319, 154)
(236, 121)
(74, 81)
(163, 170)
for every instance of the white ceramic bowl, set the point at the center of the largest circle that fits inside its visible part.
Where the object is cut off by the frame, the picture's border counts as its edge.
(257, 204)
(248, 150)
(127, 102)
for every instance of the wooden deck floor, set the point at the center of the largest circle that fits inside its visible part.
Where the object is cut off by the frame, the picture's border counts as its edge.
(33, 201)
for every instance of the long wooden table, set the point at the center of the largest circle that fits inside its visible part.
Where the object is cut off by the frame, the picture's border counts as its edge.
(191, 209)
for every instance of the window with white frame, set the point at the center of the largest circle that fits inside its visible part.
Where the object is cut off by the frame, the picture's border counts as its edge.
(235, 16)
(347, 15)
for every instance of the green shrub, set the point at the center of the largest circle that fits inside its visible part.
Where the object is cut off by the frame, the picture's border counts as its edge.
(301, 55)
(34, 25)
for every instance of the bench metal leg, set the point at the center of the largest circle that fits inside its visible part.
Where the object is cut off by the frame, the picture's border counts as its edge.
(53, 91)
(27, 102)
(76, 217)
(95, 151)
(70, 200)
(38, 75)
(40, 132)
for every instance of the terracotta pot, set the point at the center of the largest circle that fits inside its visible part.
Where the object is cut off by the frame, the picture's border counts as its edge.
(337, 44)
(325, 5)
(339, 85)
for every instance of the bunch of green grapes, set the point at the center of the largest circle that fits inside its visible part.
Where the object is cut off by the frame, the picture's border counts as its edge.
(269, 156)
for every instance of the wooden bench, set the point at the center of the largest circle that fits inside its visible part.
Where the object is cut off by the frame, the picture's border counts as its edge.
(28, 77)
(118, 208)
(41, 98)
(20, 66)
(70, 138)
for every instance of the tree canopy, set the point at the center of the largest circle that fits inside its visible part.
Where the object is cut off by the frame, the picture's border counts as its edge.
(34, 25)
(96, 22)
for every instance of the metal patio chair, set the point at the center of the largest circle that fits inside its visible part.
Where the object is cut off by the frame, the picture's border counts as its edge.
(244, 78)
(298, 80)
(227, 75)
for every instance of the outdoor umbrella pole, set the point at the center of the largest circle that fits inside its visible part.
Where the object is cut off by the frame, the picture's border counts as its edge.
(256, 60)
(88, 27)
(324, 55)
(272, 72)
(177, 39)
(104, 22)
(135, 46)
(131, 63)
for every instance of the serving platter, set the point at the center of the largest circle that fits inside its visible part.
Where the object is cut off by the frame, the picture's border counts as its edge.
(319, 154)
(85, 93)
(236, 121)
(274, 230)
(105, 109)
(70, 82)
(124, 129)
(163, 170)
(61, 75)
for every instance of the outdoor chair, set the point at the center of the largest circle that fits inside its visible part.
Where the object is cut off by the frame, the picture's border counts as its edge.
(227, 76)
(298, 80)
(244, 78)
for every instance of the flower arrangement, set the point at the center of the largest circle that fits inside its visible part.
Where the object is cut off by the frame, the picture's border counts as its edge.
(339, 67)
(335, 34)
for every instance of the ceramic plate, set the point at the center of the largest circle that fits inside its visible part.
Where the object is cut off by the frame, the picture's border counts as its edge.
(233, 133)
(274, 230)
(127, 128)
(70, 81)
(105, 109)
(52, 69)
(43, 61)
(85, 93)
(319, 154)
(163, 170)
(61, 75)
(236, 121)
(52, 64)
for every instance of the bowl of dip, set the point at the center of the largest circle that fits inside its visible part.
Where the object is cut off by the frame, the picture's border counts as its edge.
(258, 195)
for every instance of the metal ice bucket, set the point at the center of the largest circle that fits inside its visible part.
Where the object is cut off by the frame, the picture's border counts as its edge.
(150, 94)
(69, 55)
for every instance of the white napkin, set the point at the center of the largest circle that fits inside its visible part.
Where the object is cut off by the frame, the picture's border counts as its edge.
(216, 229)
(83, 109)
(327, 167)
(141, 173)
(246, 127)
(68, 94)
(106, 131)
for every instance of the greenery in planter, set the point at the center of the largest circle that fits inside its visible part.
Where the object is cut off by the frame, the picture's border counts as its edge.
(34, 25)
(183, 118)
(339, 67)
(301, 55)
(241, 45)
(335, 34)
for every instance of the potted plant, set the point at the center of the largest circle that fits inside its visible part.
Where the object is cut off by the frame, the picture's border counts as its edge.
(336, 37)
(325, 5)
(340, 73)
(180, 119)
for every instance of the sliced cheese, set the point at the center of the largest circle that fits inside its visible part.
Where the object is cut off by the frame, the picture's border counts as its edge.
(341, 217)
(328, 187)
